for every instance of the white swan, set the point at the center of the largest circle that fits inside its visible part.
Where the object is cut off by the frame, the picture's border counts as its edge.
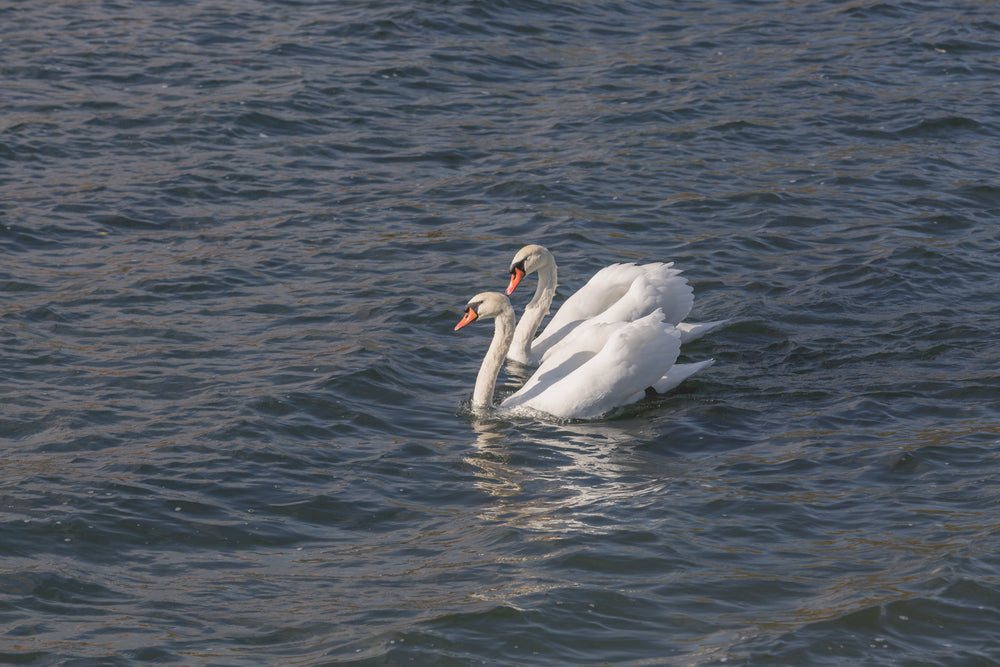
(616, 293)
(593, 378)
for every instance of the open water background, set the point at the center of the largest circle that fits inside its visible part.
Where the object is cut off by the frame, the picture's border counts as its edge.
(235, 238)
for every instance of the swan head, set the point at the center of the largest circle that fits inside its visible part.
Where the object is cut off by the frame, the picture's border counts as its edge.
(485, 305)
(528, 259)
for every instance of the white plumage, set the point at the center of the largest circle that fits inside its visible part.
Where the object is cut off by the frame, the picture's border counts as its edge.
(618, 293)
(611, 364)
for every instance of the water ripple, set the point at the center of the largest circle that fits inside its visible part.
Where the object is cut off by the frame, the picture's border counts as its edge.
(236, 241)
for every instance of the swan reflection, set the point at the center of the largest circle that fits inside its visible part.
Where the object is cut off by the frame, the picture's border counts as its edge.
(558, 479)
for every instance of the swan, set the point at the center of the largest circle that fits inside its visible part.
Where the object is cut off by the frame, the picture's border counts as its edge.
(613, 369)
(616, 293)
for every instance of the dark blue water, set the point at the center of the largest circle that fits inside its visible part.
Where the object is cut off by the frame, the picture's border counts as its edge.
(235, 239)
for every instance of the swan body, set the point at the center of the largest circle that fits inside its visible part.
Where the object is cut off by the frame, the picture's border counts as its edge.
(611, 366)
(616, 293)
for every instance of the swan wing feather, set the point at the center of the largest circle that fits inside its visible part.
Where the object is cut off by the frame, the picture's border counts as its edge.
(665, 289)
(635, 356)
(620, 292)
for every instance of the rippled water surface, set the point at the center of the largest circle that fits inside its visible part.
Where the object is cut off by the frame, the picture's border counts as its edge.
(235, 239)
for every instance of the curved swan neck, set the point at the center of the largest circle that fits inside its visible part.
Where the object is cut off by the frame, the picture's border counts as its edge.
(534, 313)
(486, 380)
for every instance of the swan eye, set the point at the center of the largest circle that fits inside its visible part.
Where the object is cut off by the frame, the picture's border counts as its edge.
(519, 267)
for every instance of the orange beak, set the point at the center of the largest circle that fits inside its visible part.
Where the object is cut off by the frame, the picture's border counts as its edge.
(470, 316)
(516, 276)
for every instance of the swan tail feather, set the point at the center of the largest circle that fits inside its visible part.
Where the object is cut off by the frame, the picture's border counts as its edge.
(692, 331)
(678, 374)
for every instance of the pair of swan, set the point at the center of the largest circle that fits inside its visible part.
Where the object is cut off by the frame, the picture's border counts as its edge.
(610, 344)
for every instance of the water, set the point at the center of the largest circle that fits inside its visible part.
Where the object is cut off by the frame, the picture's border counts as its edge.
(236, 238)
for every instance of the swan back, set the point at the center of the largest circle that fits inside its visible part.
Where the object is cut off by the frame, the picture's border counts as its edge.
(635, 356)
(657, 286)
(602, 290)
(619, 293)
